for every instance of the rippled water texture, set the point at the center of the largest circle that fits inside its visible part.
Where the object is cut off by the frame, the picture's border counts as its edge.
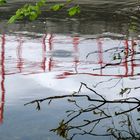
(53, 55)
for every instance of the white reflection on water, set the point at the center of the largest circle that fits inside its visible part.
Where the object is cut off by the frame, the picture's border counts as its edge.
(57, 63)
(51, 59)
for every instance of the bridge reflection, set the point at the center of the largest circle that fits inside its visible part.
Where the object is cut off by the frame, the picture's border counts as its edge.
(67, 56)
(2, 65)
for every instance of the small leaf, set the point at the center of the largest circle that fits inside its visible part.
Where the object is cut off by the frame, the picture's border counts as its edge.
(12, 19)
(57, 7)
(2, 2)
(74, 10)
(41, 3)
(32, 16)
(69, 0)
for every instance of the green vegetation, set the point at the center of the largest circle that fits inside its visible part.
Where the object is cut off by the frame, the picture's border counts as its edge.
(2, 2)
(28, 11)
(32, 11)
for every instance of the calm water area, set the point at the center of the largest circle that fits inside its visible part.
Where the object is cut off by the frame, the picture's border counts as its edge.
(53, 55)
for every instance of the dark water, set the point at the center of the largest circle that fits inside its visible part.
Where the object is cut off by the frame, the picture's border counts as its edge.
(54, 54)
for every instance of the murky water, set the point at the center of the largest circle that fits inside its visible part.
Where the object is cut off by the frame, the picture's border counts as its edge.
(52, 57)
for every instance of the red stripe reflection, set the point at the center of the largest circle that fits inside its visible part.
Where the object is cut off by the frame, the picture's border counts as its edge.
(133, 44)
(48, 63)
(2, 77)
(126, 56)
(100, 54)
(43, 65)
(19, 55)
(75, 65)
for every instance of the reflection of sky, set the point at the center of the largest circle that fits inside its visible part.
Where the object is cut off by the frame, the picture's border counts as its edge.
(49, 65)
(69, 55)
(49, 60)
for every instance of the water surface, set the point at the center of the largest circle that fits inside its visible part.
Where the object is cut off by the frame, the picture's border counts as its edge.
(52, 57)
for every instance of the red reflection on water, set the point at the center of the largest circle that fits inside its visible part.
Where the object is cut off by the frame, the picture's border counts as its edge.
(64, 75)
(50, 45)
(43, 65)
(76, 43)
(50, 40)
(75, 61)
(129, 65)
(50, 64)
(76, 50)
(2, 77)
(100, 53)
(133, 44)
(126, 56)
(20, 61)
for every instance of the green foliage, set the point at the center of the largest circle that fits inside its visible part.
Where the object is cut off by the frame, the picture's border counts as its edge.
(74, 10)
(28, 11)
(71, 11)
(69, 0)
(2, 2)
(57, 7)
(41, 3)
(31, 12)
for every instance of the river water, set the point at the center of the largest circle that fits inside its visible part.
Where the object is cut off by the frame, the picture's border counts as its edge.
(53, 55)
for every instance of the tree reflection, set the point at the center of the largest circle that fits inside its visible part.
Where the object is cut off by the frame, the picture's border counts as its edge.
(93, 114)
